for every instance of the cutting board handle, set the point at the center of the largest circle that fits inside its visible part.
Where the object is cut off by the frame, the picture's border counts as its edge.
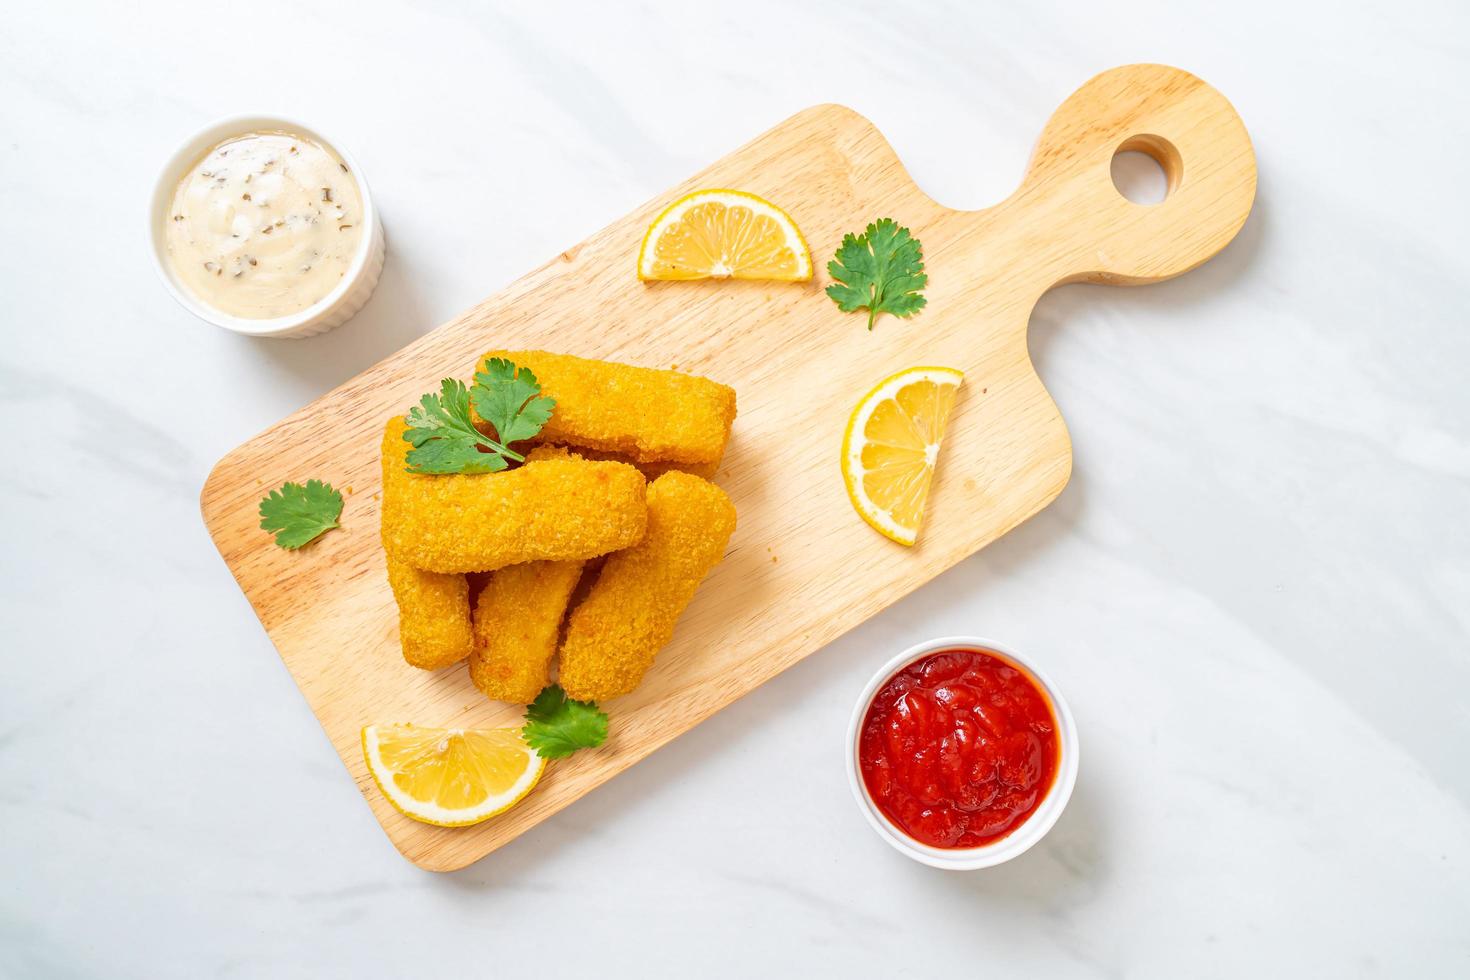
(1080, 228)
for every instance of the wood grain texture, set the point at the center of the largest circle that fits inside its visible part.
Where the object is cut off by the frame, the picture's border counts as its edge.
(802, 568)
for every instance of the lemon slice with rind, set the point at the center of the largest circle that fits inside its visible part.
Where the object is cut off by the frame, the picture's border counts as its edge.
(451, 777)
(724, 234)
(892, 446)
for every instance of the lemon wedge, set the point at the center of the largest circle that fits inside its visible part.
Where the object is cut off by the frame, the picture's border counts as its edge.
(724, 234)
(451, 777)
(892, 445)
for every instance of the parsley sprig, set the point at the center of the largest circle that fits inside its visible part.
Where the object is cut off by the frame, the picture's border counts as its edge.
(556, 726)
(510, 399)
(299, 514)
(442, 431)
(881, 270)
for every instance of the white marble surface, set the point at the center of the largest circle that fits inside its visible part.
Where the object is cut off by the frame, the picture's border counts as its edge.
(1256, 589)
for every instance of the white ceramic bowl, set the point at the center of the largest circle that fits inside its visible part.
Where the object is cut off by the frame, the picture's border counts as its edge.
(334, 309)
(1023, 837)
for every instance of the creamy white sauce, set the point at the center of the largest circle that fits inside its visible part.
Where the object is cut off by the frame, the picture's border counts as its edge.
(264, 226)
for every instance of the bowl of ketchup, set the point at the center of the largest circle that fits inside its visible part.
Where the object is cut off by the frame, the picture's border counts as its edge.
(962, 754)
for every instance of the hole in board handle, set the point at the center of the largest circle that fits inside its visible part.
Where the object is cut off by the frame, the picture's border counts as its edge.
(1146, 169)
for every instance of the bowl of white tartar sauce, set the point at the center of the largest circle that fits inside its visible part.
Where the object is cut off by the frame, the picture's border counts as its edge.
(262, 226)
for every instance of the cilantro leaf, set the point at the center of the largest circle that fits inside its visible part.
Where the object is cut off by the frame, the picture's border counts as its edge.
(445, 440)
(881, 270)
(443, 431)
(556, 726)
(510, 399)
(298, 514)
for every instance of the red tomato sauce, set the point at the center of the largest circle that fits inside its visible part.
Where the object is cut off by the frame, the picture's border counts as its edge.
(958, 749)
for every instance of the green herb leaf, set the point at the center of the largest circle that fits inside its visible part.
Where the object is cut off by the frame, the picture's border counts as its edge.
(443, 433)
(881, 270)
(445, 440)
(297, 514)
(510, 399)
(556, 726)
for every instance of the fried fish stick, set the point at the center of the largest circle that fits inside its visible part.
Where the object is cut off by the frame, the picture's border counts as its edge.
(645, 414)
(613, 635)
(516, 625)
(433, 616)
(560, 509)
(650, 471)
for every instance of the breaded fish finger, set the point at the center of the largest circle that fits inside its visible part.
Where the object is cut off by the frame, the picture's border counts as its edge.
(433, 615)
(517, 622)
(613, 635)
(650, 471)
(563, 509)
(645, 414)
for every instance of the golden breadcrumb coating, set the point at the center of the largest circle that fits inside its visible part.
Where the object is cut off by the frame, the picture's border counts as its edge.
(645, 414)
(517, 623)
(613, 635)
(433, 616)
(650, 471)
(558, 509)
(559, 452)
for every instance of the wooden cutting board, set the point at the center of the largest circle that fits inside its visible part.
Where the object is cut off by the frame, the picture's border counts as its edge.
(802, 568)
